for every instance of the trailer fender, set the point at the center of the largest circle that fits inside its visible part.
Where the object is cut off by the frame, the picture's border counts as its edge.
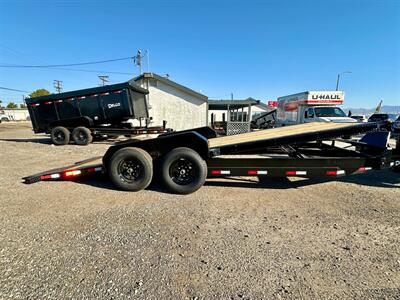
(161, 145)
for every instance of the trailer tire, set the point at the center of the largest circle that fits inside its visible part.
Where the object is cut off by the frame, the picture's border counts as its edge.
(131, 169)
(183, 171)
(82, 136)
(60, 135)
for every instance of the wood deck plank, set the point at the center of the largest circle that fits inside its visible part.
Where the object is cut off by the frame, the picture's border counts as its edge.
(275, 132)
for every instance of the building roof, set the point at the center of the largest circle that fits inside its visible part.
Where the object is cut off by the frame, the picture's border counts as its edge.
(170, 83)
(233, 104)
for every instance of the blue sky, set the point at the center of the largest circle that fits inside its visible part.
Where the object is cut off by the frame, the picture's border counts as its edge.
(259, 49)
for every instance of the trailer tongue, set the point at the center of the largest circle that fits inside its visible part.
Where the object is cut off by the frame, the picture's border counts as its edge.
(186, 158)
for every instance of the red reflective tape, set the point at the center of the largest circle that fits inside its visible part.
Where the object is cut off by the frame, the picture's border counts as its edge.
(93, 169)
(48, 102)
(104, 94)
(36, 104)
(361, 169)
(215, 172)
(288, 173)
(94, 95)
(45, 177)
(252, 172)
(331, 172)
(117, 92)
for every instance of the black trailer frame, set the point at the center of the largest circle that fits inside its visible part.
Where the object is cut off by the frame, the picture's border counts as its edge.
(312, 154)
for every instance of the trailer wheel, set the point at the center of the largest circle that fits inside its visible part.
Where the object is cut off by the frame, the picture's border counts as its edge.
(60, 135)
(82, 136)
(131, 169)
(183, 171)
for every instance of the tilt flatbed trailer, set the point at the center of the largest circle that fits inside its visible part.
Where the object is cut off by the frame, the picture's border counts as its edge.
(183, 160)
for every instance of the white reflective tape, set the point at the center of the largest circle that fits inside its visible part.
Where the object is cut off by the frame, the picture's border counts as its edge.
(340, 172)
(225, 172)
(55, 175)
(367, 168)
(301, 172)
(262, 172)
(98, 169)
(392, 164)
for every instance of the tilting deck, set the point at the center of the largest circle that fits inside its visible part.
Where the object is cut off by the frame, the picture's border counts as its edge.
(287, 135)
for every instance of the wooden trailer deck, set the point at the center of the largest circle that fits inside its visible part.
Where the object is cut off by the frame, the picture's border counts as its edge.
(280, 132)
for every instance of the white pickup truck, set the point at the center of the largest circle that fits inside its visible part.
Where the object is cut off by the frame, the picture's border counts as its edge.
(312, 106)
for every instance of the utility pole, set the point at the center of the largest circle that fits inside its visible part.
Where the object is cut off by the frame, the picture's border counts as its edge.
(147, 53)
(338, 78)
(231, 96)
(138, 60)
(58, 85)
(103, 79)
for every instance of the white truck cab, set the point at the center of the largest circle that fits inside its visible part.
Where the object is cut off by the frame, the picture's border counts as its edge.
(312, 106)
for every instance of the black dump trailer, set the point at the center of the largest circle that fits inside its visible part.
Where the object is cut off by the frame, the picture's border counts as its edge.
(183, 160)
(94, 112)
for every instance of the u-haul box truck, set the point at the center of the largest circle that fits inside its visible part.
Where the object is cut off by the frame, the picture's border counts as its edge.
(312, 106)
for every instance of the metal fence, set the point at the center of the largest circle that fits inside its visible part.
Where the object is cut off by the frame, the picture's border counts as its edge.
(237, 127)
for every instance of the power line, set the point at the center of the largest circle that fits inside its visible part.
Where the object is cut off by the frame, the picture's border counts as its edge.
(14, 90)
(65, 65)
(93, 71)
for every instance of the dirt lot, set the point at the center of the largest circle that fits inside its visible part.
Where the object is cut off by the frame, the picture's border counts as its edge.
(233, 239)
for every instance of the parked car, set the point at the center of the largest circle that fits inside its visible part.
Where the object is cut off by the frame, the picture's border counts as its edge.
(359, 118)
(4, 118)
(383, 118)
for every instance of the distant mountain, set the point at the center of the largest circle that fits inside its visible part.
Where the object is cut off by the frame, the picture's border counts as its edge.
(390, 109)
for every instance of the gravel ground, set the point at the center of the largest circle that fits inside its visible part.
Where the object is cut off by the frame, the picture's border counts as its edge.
(233, 239)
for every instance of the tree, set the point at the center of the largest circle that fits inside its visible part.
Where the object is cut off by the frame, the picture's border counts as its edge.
(22, 105)
(39, 92)
(12, 105)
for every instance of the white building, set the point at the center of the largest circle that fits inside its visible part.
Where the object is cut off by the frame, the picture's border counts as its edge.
(182, 107)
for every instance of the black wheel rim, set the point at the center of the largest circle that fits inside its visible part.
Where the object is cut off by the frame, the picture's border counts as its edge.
(82, 137)
(130, 170)
(183, 171)
(59, 136)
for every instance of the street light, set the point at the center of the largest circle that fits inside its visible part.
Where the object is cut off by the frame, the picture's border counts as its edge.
(338, 78)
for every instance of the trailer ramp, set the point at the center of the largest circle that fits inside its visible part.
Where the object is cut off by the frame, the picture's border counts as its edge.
(85, 167)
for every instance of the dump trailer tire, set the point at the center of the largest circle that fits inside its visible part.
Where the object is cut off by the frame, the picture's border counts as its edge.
(60, 135)
(130, 169)
(82, 136)
(183, 171)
